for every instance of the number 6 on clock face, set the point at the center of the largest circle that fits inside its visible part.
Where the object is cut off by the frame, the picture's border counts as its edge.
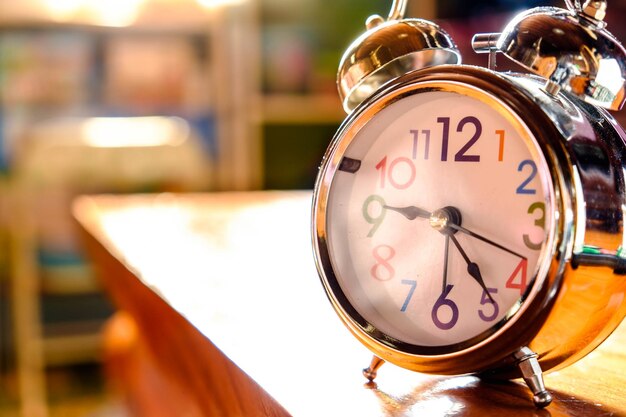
(438, 217)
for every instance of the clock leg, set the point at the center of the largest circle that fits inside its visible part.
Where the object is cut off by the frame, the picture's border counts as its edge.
(372, 370)
(533, 376)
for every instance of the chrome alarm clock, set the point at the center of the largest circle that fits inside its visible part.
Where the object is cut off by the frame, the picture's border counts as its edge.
(469, 221)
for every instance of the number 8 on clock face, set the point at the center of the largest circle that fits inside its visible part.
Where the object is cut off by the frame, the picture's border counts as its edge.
(438, 217)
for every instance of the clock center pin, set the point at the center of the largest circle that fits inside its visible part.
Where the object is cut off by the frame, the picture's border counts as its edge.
(441, 220)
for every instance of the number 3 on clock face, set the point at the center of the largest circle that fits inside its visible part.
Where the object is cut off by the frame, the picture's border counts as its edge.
(439, 217)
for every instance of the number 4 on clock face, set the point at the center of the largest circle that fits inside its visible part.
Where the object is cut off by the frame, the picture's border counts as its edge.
(519, 278)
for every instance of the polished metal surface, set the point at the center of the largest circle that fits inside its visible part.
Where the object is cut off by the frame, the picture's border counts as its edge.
(571, 49)
(593, 9)
(533, 376)
(595, 143)
(398, 10)
(388, 50)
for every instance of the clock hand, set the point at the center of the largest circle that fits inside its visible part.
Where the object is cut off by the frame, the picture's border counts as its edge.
(445, 264)
(447, 220)
(472, 267)
(410, 212)
(462, 229)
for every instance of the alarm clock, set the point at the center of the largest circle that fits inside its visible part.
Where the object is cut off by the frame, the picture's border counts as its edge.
(470, 221)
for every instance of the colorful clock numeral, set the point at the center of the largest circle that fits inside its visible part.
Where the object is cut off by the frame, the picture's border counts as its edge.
(377, 203)
(540, 222)
(426, 134)
(523, 187)
(461, 155)
(445, 136)
(382, 270)
(518, 279)
(501, 135)
(494, 305)
(413, 285)
(395, 166)
(442, 303)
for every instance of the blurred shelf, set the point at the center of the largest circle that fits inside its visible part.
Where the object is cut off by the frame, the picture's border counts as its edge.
(72, 349)
(74, 279)
(321, 108)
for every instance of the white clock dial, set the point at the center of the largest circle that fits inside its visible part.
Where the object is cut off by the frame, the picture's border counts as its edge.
(439, 217)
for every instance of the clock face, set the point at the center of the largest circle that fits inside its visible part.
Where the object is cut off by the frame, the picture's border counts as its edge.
(438, 218)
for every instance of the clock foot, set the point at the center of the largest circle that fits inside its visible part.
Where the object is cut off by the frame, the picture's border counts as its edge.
(533, 376)
(372, 370)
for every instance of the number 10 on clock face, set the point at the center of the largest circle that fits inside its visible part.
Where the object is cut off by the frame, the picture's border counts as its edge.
(439, 217)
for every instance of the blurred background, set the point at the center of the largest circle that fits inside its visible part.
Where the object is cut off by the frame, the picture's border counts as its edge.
(131, 96)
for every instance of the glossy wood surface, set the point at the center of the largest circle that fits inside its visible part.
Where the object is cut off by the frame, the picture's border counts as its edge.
(233, 320)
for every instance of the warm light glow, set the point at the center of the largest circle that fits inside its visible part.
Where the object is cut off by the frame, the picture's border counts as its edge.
(106, 13)
(610, 75)
(116, 12)
(219, 3)
(114, 132)
(63, 9)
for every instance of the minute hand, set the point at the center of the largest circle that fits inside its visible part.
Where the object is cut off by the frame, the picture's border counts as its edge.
(410, 212)
(484, 239)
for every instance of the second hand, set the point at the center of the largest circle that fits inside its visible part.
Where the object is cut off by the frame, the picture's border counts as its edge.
(461, 229)
(413, 212)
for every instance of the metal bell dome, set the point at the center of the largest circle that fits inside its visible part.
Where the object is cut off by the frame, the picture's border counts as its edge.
(389, 49)
(571, 49)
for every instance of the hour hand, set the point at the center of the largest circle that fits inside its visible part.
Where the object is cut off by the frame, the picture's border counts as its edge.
(410, 212)
(472, 268)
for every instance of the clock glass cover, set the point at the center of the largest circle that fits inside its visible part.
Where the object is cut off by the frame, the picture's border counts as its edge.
(438, 217)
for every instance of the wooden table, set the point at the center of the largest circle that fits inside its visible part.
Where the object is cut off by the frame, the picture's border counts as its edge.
(222, 313)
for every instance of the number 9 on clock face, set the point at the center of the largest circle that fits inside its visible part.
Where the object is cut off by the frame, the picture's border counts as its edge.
(439, 217)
